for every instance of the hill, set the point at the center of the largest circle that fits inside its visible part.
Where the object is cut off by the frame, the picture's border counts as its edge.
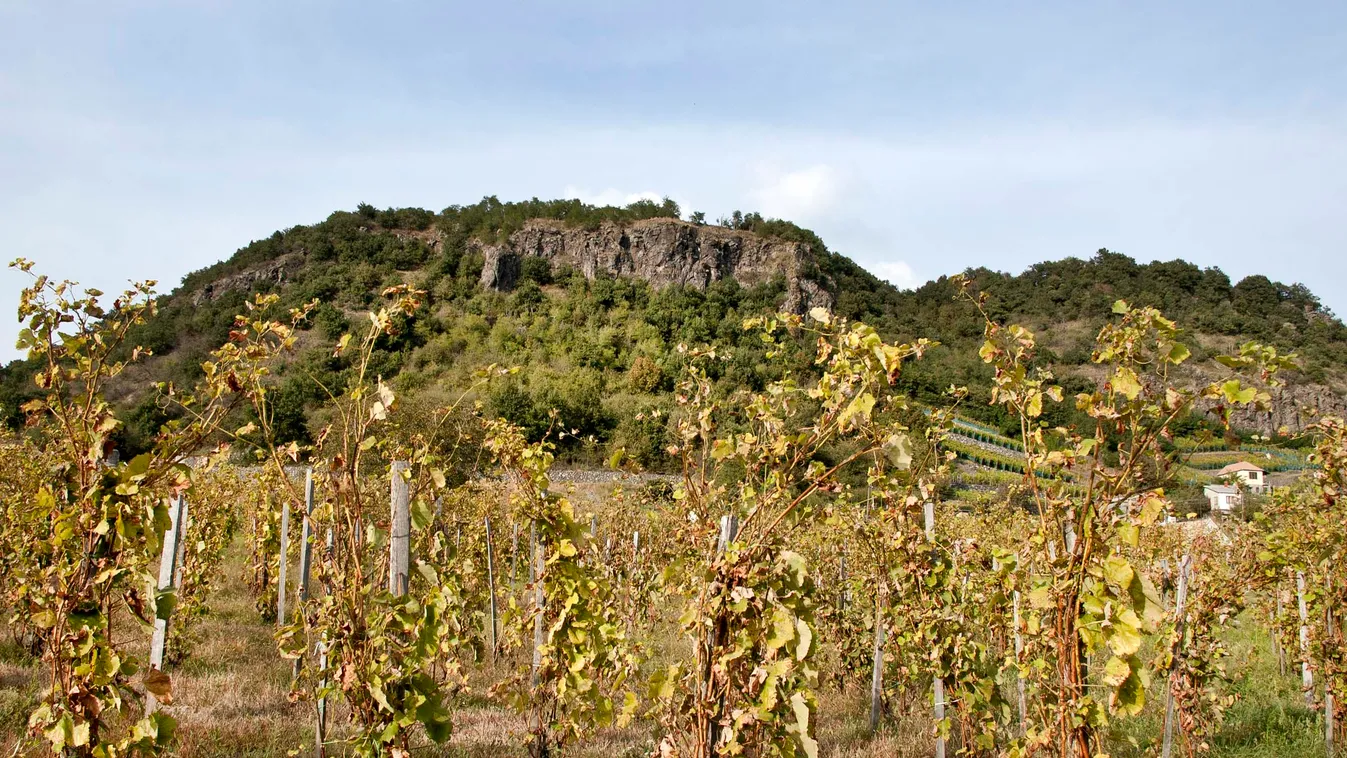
(593, 302)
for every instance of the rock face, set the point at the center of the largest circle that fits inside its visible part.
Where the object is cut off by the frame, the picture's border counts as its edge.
(1293, 407)
(664, 252)
(277, 271)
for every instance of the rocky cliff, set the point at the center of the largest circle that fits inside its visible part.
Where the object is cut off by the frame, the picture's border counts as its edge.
(1293, 408)
(277, 271)
(664, 252)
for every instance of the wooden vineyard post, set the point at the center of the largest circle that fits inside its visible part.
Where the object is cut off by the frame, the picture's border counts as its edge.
(400, 531)
(285, 561)
(514, 557)
(1180, 601)
(1019, 654)
(1276, 636)
(491, 585)
(168, 578)
(305, 549)
(844, 593)
(937, 684)
(262, 574)
(1164, 572)
(632, 580)
(1306, 678)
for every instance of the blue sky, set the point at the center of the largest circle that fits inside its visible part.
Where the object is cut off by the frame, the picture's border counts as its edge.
(149, 139)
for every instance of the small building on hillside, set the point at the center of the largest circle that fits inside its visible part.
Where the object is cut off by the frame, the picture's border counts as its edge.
(1250, 475)
(1223, 498)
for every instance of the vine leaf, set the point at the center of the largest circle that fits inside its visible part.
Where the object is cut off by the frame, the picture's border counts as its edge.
(800, 706)
(159, 684)
(1126, 383)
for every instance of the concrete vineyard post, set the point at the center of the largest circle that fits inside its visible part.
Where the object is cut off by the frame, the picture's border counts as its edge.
(937, 684)
(1306, 678)
(729, 530)
(514, 556)
(877, 653)
(1276, 636)
(305, 549)
(306, 535)
(844, 594)
(491, 584)
(1019, 653)
(877, 664)
(281, 578)
(184, 525)
(1180, 601)
(1328, 683)
(168, 579)
(539, 565)
(535, 578)
(320, 727)
(1272, 638)
(400, 531)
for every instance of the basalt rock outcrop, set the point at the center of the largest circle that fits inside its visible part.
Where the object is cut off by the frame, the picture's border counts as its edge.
(1292, 408)
(664, 252)
(277, 271)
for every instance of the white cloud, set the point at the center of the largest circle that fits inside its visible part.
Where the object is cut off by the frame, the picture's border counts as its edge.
(796, 194)
(609, 196)
(897, 273)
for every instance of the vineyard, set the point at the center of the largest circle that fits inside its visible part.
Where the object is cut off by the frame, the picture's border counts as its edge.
(416, 583)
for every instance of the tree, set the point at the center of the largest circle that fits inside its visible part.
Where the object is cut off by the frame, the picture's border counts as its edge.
(645, 375)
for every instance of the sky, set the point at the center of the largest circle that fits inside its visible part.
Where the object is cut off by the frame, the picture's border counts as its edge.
(145, 140)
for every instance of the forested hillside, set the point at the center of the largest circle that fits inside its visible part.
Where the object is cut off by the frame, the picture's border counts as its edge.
(603, 350)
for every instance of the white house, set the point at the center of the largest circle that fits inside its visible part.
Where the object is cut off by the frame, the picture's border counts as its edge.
(1223, 498)
(1251, 476)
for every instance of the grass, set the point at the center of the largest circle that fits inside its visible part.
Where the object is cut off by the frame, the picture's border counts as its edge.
(1268, 719)
(232, 701)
